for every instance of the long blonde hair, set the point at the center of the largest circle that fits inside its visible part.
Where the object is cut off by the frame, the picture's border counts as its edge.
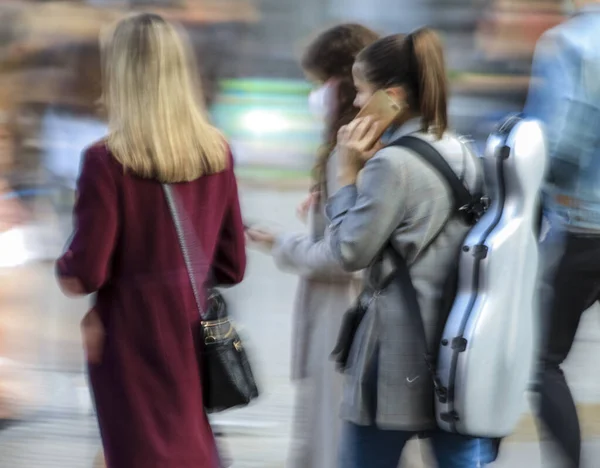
(158, 127)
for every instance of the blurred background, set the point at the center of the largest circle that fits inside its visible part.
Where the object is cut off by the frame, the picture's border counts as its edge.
(247, 53)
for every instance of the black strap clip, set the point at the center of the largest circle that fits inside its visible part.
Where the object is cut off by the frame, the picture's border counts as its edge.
(440, 391)
(474, 210)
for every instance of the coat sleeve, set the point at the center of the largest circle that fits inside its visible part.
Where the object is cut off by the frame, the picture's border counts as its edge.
(363, 217)
(303, 256)
(229, 263)
(96, 224)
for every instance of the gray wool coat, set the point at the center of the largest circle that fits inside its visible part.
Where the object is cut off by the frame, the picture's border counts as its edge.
(399, 199)
(325, 292)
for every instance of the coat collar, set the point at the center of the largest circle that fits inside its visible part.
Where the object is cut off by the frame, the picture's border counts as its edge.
(410, 126)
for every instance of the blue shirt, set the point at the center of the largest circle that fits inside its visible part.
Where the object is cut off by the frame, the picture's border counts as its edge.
(565, 95)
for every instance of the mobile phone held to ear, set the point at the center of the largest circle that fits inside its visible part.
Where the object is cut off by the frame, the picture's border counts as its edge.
(383, 110)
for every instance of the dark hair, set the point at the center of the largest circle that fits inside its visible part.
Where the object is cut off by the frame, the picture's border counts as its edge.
(148, 19)
(331, 55)
(415, 62)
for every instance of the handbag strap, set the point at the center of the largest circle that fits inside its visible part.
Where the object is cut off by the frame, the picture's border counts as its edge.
(179, 227)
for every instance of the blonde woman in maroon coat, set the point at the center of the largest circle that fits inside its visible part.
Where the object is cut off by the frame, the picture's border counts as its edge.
(140, 335)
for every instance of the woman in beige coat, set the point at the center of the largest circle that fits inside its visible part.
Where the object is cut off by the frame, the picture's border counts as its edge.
(325, 291)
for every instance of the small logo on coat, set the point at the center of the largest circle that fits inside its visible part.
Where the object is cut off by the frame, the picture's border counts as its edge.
(410, 381)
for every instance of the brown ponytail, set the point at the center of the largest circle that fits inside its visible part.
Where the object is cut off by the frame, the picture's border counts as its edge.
(433, 86)
(416, 63)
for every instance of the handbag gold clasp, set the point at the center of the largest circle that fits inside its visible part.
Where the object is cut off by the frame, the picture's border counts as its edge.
(213, 330)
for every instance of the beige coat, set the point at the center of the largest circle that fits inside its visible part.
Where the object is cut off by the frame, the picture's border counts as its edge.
(324, 294)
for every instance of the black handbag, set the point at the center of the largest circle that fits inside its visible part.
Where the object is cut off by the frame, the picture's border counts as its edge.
(227, 378)
(348, 328)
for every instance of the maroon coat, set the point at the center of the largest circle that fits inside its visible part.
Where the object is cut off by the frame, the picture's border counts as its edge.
(147, 388)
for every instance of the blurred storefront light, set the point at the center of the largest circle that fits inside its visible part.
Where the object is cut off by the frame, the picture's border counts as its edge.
(268, 123)
(13, 248)
(262, 122)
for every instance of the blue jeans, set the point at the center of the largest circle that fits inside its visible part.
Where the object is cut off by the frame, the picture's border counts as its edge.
(371, 447)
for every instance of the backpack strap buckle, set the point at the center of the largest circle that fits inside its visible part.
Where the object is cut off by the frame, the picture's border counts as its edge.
(474, 210)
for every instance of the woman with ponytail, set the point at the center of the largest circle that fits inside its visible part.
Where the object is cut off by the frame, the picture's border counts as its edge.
(399, 202)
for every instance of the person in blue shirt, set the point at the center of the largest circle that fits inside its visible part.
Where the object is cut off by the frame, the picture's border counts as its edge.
(565, 95)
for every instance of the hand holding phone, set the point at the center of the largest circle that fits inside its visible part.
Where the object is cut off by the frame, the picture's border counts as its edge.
(382, 110)
(355, 148)
(360, 140)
